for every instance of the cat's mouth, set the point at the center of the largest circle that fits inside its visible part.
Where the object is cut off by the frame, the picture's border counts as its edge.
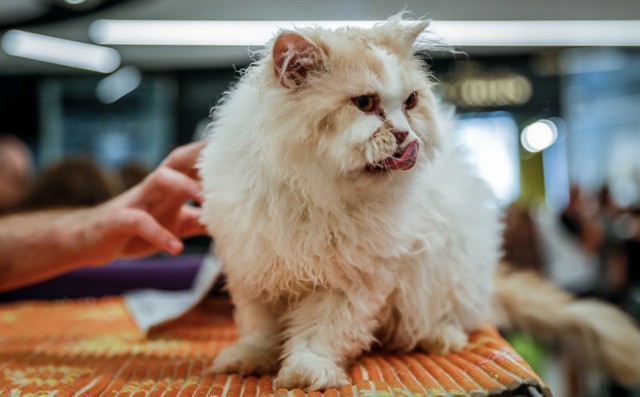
(403, 159)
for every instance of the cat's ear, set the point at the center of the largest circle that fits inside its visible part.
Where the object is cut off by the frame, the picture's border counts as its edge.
(413, 31)
(399, 35)
(294, 58)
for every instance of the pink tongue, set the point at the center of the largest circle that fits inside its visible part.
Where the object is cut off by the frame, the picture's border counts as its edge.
(407, 158)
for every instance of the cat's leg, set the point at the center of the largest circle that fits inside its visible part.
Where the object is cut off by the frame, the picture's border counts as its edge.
(324, 331)
(257, 349)
(430, 311)
(456, 311)
(407, 326)
(446, 337)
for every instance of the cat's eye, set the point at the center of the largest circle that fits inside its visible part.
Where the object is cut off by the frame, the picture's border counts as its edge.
(411, 101)
(366, 103)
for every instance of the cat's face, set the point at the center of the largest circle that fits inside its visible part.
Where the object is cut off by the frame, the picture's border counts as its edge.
(362, 100)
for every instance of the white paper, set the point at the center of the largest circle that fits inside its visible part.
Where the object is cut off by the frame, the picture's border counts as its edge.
(151, 307)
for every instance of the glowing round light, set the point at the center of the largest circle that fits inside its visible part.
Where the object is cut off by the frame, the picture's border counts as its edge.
(539, 135)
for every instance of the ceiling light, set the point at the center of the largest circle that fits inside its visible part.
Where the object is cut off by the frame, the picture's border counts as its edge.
(538, 136)
(539, 33)
(458, 33)
(119, 84)
(219, 33)
(59, 51)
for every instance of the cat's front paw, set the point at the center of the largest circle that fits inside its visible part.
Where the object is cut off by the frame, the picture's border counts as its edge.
(309, 371)
(246, 358)
(446, 339)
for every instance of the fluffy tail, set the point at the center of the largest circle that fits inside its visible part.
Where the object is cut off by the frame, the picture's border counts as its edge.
(599, 333)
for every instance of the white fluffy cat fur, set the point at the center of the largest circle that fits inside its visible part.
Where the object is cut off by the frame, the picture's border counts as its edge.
(345, 214)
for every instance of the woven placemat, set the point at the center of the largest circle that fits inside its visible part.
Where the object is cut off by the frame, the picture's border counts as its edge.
(93, 348)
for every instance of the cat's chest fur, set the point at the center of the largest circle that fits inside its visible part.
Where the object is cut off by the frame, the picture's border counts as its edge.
(294, 245)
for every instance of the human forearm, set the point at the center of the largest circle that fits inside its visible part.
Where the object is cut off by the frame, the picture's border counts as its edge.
(37, 246)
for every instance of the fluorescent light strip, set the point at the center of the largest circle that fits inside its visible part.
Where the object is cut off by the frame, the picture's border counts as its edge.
(118, 84)
(185, 33)
(60, 51)
(540, 33)
(458, 33)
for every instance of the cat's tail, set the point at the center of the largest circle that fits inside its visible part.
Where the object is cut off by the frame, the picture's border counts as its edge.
(599, 334)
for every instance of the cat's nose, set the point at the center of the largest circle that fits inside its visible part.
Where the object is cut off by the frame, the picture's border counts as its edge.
(400, 136)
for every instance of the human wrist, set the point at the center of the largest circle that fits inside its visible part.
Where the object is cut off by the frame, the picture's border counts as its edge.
(72, 239)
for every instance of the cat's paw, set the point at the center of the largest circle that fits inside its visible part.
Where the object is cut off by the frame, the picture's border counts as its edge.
(446, 339)
(308, 371)
(246, 358)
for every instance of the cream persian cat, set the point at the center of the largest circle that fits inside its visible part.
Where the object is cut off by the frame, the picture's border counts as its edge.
(345, 216)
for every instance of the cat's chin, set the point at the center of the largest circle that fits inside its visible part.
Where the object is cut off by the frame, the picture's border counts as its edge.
(404, 159)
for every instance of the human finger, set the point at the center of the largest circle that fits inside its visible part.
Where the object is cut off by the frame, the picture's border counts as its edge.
(183, 158)
(174, 183)
(141, 224)
(189, 222)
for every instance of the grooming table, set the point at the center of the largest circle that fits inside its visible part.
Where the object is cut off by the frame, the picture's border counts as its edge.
(92, 347)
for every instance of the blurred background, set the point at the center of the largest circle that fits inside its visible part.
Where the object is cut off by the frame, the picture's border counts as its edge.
(94, 93)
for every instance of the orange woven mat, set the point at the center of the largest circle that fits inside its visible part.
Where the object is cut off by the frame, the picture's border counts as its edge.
(93, 348)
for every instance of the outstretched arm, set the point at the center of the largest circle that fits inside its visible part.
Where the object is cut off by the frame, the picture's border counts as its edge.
(148, 218)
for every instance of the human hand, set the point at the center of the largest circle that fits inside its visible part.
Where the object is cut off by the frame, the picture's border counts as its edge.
(150, 217)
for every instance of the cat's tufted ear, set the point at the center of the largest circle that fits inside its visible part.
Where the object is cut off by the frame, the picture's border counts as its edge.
(294, 58)
(413, 31)
(399, 35)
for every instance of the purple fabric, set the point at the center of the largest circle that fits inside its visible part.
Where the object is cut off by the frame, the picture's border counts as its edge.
(167, 273)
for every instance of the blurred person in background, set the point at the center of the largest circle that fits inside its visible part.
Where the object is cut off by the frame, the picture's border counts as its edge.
(611, 250)
(520, 239)
(77, 181)
(631, 244)
(16, 168)
(581, 219)
(572, 242)
(132, 173)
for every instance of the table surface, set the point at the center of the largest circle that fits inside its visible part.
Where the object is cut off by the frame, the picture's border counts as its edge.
(91, 347)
